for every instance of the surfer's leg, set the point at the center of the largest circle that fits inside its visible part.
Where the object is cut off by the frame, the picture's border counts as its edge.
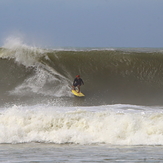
(73, 87)
(78, 88)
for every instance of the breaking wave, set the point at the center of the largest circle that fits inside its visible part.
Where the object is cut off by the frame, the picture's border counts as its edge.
(132, 76)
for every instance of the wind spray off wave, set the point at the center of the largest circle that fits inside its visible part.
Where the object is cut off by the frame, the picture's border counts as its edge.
(23, 54)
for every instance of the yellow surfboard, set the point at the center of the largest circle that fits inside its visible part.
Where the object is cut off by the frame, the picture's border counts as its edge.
(77, 94)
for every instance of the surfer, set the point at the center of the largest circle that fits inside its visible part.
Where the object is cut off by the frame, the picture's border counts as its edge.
(77, 83)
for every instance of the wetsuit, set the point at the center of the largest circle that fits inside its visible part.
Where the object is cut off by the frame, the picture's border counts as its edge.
(78, 82)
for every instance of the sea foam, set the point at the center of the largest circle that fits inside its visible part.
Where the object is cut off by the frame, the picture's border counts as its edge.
(110, 124)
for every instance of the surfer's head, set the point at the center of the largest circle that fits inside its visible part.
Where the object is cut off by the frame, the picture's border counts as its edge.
(77, 76)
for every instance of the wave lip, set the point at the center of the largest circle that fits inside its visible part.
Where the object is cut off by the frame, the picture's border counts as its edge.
(23, 54)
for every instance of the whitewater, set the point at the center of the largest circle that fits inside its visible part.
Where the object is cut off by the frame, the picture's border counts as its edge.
(121, 113)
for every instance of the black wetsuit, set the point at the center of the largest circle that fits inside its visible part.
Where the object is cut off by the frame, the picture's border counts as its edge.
(78, 82)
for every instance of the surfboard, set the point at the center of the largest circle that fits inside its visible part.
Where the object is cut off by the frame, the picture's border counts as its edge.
(77, 94)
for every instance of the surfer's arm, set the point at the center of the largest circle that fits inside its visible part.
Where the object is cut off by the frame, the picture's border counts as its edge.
(82, 82)
(74, 81)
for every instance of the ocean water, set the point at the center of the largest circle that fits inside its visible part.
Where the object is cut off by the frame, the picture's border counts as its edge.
(120, 119)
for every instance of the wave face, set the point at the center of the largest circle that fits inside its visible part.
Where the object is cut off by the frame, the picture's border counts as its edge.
(34, 75)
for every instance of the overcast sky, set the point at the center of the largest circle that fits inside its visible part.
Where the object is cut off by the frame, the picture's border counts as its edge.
(83, 23)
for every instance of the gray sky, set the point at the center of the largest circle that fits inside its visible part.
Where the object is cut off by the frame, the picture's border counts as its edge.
(83, 23)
